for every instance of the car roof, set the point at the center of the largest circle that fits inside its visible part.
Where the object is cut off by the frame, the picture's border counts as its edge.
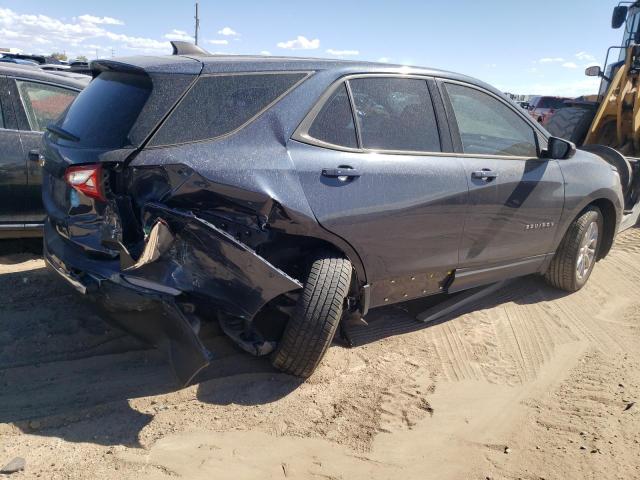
(214, 64)
(34, 72)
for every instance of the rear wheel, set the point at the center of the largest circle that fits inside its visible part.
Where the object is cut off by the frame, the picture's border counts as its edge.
(574, 260)
(571, 123)
(316, 317)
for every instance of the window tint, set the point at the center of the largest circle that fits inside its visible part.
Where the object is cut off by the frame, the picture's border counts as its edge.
(489, 127)
(334, 124)
(43, 103)
(395, 114)
(219, 104)
(105, 111)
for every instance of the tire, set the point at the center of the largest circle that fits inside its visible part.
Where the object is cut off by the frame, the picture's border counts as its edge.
(563, 272)
(316, 317)
(571, 123)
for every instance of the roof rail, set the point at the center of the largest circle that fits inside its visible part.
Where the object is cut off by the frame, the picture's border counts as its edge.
(187, 48)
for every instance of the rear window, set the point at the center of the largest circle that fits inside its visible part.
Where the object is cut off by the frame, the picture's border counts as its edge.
(103, 114)
(219, 104)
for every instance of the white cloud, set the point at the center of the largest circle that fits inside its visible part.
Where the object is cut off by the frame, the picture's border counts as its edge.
(228, 32)
(343, 53)
(219, 42)
(585, 57)
(41, 34)
(569, 65)
(551, 60)
(265, 52)
(300, 43)
(100, 20)
(179, 35)
(384, 60)
(490, 65)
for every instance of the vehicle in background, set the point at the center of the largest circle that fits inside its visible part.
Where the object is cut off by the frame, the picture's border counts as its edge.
(279, 195)
(523, 103)
(542, 108)
(609, 123)
(19, 61)
(30, 99)
(80, 67)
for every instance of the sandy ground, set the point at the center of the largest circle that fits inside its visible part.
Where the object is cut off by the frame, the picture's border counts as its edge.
(529, 383)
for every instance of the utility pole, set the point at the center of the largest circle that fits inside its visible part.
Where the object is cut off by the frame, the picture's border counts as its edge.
(197, 22)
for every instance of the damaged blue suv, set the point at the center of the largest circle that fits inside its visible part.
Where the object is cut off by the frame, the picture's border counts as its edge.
(278, 195)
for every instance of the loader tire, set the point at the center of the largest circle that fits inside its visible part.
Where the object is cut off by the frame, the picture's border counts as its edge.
(564, 270)
(316, 317)
(571, 123)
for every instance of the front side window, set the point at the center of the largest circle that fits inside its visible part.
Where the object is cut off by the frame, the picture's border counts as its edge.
(395, 114)
(43, 103)
(489, 127)
(334, 123)
(219, 104)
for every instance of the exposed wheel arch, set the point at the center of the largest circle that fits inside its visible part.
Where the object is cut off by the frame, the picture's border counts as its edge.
(287, 252)
(608, 211)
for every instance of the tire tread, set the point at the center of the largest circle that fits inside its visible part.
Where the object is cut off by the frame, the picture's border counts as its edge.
(316, 317)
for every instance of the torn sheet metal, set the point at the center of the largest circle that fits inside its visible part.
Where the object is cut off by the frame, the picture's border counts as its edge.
(157, 320)
(194, 256)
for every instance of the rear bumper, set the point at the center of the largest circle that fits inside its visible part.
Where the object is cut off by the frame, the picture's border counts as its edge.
(150, 314)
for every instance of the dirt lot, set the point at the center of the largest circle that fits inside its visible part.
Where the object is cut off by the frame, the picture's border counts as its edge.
(528, 383)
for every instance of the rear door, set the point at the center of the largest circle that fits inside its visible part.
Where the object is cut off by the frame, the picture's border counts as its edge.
(516, 198)
(385, 186)
(37, 104)
(13, 173)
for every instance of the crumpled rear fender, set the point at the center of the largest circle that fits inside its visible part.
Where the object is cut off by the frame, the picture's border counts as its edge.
(191, 255)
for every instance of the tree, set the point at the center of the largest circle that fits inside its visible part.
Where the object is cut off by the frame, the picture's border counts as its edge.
(59, 56)
(81, 58)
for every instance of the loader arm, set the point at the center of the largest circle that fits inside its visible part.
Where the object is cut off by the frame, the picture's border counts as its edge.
(617, 121)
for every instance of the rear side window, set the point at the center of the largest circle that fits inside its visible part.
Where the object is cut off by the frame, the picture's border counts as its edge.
(334, 123)
(220, 104)
(395, 114)
(487, 126)
(43, 103)
(103, 114)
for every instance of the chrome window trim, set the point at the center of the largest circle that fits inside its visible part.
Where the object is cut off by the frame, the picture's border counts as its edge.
(306, 73)
(301, 134)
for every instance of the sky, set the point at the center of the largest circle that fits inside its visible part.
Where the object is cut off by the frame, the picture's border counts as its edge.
(525, 47)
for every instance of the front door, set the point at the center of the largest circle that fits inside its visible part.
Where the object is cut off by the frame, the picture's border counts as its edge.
(516, 198)
(383, 187)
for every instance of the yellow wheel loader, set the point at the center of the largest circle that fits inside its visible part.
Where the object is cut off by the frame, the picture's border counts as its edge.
(610, 127)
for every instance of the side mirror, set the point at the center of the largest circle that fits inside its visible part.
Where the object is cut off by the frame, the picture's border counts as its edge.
(594, 71)
(559, 149)
(619, 16)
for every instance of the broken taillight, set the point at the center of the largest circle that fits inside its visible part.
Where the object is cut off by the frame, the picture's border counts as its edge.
(86, 179)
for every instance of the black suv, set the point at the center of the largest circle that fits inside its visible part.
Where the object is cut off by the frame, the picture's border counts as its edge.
(30, 99)
(277, 195)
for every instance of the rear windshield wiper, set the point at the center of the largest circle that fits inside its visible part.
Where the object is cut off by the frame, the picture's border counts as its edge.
(62, 133)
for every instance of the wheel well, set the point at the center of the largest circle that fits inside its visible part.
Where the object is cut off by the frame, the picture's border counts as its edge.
(608, 211)
(290, 252)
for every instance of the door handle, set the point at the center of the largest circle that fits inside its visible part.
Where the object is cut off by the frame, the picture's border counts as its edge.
(35, 156)
(484, 174)
(341, 173)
